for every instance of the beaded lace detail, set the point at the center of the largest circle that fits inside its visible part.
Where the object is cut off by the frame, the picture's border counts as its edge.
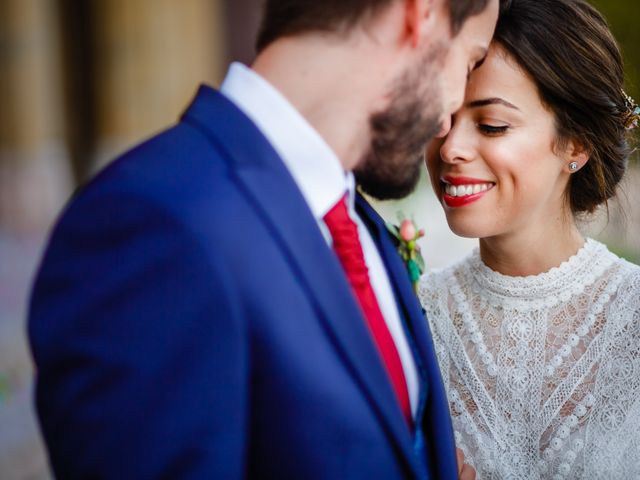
(542, 372)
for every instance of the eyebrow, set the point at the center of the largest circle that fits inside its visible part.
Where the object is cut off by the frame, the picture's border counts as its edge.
(491, 101)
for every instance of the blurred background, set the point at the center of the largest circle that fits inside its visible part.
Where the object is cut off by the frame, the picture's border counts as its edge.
(83, 80)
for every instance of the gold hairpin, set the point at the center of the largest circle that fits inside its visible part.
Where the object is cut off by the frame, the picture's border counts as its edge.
(632, 114)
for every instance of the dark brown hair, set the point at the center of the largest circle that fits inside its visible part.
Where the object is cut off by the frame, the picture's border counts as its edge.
(567, 49)
(282, 18)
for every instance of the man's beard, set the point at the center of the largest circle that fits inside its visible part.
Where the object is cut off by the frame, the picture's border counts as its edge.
(400, 133)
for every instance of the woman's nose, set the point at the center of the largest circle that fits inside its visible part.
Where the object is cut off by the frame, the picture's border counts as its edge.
(456, 147)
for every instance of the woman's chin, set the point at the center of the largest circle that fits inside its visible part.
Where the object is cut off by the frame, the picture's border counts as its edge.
(465, 229)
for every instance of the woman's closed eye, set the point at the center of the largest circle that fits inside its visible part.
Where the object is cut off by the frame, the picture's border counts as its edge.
(492, 130)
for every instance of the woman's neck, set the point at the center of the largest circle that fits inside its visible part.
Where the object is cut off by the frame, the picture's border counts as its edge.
(531, 252)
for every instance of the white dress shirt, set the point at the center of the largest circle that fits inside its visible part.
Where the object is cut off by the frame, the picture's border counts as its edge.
(323, 182)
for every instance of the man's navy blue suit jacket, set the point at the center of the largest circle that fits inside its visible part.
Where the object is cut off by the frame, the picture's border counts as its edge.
(189, 321)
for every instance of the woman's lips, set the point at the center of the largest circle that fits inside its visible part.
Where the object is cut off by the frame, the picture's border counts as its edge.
(461, 191)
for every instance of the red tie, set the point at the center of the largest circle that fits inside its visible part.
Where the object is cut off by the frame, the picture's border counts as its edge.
(346, 244)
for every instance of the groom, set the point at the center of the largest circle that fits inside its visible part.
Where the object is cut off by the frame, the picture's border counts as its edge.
(219, 303)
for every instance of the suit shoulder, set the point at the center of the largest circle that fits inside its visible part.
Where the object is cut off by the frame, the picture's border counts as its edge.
(175, 168)
(168, 160)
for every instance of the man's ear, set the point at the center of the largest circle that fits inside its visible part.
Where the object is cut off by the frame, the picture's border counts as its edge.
(421, 18)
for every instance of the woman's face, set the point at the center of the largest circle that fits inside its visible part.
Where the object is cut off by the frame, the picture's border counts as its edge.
(497, 172)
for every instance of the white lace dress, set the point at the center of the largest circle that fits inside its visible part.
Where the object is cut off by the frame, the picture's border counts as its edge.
(542, 372)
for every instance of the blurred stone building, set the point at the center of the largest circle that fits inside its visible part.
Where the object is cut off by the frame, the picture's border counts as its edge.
(80, 82)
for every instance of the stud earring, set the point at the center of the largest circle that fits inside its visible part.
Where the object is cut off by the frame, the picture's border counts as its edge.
(573, 166)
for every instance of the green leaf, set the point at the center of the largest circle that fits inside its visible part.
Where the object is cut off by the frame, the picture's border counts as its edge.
(414, 271)
(420, 261)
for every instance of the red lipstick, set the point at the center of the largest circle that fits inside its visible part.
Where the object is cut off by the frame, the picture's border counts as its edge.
(455, 201)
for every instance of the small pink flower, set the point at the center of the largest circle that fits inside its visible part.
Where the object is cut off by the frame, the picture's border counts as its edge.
(407, 231)
(408, 249)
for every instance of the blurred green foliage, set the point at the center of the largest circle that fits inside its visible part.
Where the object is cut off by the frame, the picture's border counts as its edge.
(4, 389)
(623, 17)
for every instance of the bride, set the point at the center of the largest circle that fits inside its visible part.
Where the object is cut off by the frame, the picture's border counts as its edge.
(538, 331)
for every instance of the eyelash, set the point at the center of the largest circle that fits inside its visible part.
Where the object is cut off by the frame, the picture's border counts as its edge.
(492, 130)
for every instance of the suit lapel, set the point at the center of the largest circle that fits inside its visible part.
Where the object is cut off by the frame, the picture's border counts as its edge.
(397, 274)
(269, 186)
(436, 419)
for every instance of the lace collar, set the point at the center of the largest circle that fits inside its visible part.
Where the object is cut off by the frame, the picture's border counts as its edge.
(549, 288)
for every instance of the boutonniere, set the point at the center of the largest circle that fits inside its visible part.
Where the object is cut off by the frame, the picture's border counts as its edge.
(407, 235)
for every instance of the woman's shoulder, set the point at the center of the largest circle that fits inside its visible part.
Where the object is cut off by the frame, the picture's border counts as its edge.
(629, 276)
(631, 269)
(624, 289)
(631, 284)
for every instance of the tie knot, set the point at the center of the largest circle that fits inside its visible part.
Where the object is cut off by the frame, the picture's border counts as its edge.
(346, 243)
(338, 216)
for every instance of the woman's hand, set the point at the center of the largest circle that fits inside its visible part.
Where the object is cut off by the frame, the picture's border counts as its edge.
(465, 472)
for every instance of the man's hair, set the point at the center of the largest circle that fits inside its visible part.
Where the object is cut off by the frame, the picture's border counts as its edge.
(283, 18)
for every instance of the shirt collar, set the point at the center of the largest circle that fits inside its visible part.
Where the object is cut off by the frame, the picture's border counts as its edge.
(314, 166)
